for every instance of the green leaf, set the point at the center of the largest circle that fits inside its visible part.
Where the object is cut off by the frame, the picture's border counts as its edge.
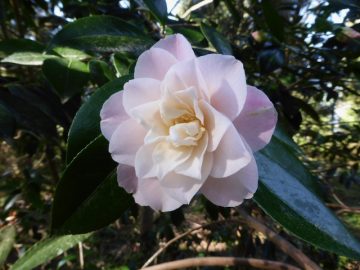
(217, 40)
(71, 53)
(11, 46)
(273, 19)
(102, 34)
(159, 9)
(86, 123)
(79, 180)
(95, 213)
(7, 240)
(68, 77)
(284, 195)
(46, 250)
(192, 34)
(101, 72)
(27, 58)
(271, 59)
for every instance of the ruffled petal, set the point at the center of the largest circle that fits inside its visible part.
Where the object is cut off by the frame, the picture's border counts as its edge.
(232, 190)
(177, 45)
(216, 124)
(140, 91)
(225, 80)
(126, 178)
(154, 63)
(231, 155)
(112, 114)
(150, 193)
(121, 148)
(257, 121)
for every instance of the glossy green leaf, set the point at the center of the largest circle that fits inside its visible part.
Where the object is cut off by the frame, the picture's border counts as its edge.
(192, 34)
(27, 58)
(271, 59)
(273, 19)
(10, 46)
(284, 194)
(102, 34)
(71, 53)
(46, 250)
(101, 72)
(217, 40)
(95, 213)
(68, 77)
(159, 9)
(79, 180)
(86, 124)
(7, 240)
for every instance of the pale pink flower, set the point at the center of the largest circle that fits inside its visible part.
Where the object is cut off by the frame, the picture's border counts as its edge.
(187, 125)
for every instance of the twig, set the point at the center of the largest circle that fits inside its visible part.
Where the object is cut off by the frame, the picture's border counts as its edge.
(280, 242)
(344, 208)
(222, 261)
(195, 7)
(170, 242)
(81, 255)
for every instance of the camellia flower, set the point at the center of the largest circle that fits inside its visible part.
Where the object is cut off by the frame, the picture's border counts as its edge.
(187, 125)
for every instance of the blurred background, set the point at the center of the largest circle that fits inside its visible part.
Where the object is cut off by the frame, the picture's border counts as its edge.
(305, 55)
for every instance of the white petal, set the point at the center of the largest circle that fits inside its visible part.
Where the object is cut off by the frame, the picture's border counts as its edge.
(232, 154)
(154, 63)
(144, 165)
(232, 190)
(215, 123)
(177, 45)
(112, 114)
(216, 69)
(126, 178)
(121, 147)
(147, 114)
(150, 193)
(140, 91)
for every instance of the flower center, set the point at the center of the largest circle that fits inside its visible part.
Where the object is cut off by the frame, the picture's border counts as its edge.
(186, 133)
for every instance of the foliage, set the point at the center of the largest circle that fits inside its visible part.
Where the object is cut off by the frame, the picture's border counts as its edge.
(60, 60)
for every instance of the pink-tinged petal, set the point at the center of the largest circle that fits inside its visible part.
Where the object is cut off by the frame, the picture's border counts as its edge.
(257, 121)
(154, 63)
(126, 178)
(225, 80)
(215, 123)
(121, 148)
(147, 114)
(140, 91)
(112, 114)
(231, 156)
(178, 46)
(193, 166)
(232, 190)
(144, 165)
(185, 75)
(183, 188)
(150, 193)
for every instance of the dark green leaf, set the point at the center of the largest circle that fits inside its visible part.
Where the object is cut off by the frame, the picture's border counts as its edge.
(273, 19)
(46, 250)
(285, 198)
(271, 59)
(217, 40)
(80, 179)
(95, 213)
(11, 46)
(27, 58)
(7, 239)
(86, 124)
(159, 9)
(7, 123)
(68, 77)
(101, 72)
(102, 34)
(121, 64)
(192, 34)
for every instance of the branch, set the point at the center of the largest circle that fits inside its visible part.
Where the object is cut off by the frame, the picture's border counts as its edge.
(222, 261)
(167, 244)
(283, 244)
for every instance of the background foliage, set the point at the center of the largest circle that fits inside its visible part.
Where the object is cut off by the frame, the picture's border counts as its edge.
(60, 60)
